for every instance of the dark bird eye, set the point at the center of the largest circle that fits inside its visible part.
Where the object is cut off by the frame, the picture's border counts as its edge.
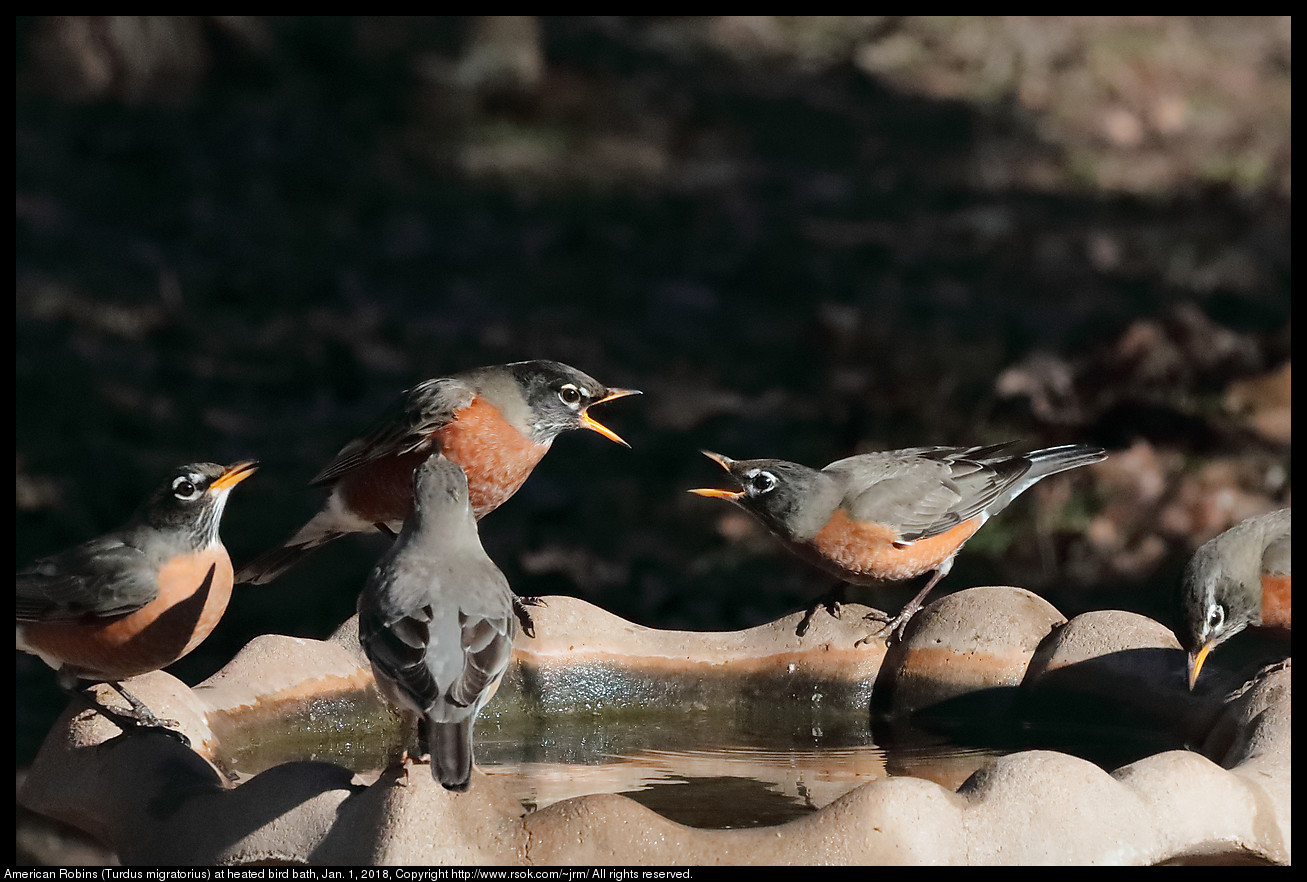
(184, 488)
(762, 482)
(569, 395)
(1215, 616)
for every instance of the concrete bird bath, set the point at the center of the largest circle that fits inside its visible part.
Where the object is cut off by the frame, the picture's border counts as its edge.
(274, 730)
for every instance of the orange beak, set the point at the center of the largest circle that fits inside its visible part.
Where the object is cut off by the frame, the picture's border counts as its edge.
(717, 494)
(234, 475)
(1196, 660)
(594, 425)
(725, 462)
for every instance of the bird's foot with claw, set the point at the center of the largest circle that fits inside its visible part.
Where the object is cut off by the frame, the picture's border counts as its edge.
(890, 628)
(524, 620)
(147, 722)
(830, 604)
(137, 717)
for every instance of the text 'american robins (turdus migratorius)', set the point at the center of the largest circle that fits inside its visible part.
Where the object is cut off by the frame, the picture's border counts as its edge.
(436, 620)
(495, 422)
(1240, 578)
(137, 599)
(890, 516)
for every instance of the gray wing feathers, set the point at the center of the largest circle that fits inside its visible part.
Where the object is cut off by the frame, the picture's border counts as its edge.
(102, 578)
(1277, 559)
(405, 426)
(926, 491)
(440, 660)
(487, 646)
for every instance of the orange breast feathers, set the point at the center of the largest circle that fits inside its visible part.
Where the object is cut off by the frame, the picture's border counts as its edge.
(868, 549)
(187, 609)
(496, 457)
(1277, 606)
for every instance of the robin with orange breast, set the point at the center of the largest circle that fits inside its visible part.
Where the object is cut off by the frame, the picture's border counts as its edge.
(137, 599)
(1240, 578)
(892, 516)
(495, 422)
(436, 620)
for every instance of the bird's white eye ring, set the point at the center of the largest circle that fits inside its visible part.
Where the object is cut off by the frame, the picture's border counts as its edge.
(184, 488)
(1215, 617)
(761, 482)
(570, 394)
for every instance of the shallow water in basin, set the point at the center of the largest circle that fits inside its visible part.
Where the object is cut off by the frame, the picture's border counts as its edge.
(742, 766)
(709, 775)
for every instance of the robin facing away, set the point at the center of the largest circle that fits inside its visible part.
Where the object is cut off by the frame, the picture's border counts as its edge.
(137, 599)
(495, 422)
(1237, 579)
(436, 620)
(880, 517)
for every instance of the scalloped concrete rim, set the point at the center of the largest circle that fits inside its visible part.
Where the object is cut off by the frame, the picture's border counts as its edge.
(1030, 807)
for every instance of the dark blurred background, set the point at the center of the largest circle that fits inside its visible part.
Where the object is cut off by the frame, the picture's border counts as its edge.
(802, 237)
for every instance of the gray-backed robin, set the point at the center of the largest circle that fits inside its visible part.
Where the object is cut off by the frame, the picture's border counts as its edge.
(880, 517)
(136, 599)
(1240, 578)
(436, 620)
(495, 422)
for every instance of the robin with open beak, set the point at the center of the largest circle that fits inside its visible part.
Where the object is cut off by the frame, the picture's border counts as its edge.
(436, 620)
(139, 598)
(495, 422)
(1240, 578)
(891, 516)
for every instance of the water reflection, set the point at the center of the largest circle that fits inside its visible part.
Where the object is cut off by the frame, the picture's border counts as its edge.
(736, 766)
(713, 773)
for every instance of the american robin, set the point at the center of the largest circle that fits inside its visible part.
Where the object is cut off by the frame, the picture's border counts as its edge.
(1237, 579)
(890, 516)
(495, 422)
(136, 599)
(436, 620)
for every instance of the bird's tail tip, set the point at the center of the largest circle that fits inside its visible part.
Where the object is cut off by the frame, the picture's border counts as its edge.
(273, 563)
(451, 754)
(1066, 456)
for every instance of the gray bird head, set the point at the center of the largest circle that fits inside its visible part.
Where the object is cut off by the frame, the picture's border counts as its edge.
(191, 500)
(559, 398)
(439, 483)
(1220, 596)
(792, 500)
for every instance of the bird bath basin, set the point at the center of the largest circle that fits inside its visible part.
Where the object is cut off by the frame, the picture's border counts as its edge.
(609, 743)
(697, 766)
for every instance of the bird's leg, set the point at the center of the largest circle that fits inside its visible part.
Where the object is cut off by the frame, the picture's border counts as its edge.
(896, 625)
(830, 600)
(524, 619)
(411, 735)
(138, 717)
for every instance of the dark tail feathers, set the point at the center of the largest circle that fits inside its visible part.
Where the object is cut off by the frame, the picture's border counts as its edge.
(451, 753)
(1052, 460)
(271, 564)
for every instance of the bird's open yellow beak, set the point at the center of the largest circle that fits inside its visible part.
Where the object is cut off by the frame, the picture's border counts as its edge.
(594, 425)
(234, 475)
(725, 462)
(1196, 660)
